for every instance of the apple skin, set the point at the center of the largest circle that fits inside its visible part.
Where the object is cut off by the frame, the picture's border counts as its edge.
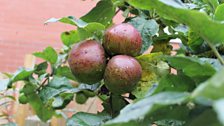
(122, 74)
(122, 39)
(87, 61)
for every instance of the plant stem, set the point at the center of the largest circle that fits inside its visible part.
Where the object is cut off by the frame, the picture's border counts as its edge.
(46, 79)
(42, 84)
(221, 60)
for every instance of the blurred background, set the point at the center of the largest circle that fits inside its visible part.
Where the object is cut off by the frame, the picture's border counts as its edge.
(22, 29)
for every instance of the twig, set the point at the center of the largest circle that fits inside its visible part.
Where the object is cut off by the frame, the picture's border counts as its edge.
(117, 12)
(216, 53)
(42, 84)
(46, 79)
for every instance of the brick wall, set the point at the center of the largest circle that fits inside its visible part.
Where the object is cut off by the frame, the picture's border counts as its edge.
(22, 31)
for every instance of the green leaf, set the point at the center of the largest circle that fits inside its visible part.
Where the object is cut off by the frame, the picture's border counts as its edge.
(102, 13)
(20, 74)
(162, 68)
(68, 20)
(219, 13)
(39, 79)
(147, 29)
(214, 62)
(173, 114)
(178, 83)
(206, 118)
(58, 82)
(195, 42)
(212, 3)
(56, 87)
(212, 88)
(65, 71)
(57, 98)
(41, 68)
(48, 54)
(117, 103)
(162, 46)
(91, 30)
(192, 67)
(169, 123)
(149, 74)
(147, 81)
(62, 58)
(218, 107)
(145, 107)
(149, 61)
(191, 18)
(47, 93)
(4, 84)
(87, 119)
(42, 111)
(70, 37)
(61, 101)
(58, 102)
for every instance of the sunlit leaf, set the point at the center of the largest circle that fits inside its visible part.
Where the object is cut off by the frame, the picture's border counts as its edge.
(48, 54)
(192, 18)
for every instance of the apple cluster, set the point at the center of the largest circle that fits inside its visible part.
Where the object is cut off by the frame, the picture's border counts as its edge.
(112, 61)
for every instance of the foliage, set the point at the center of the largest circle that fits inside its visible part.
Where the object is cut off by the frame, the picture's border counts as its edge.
(192, 94)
